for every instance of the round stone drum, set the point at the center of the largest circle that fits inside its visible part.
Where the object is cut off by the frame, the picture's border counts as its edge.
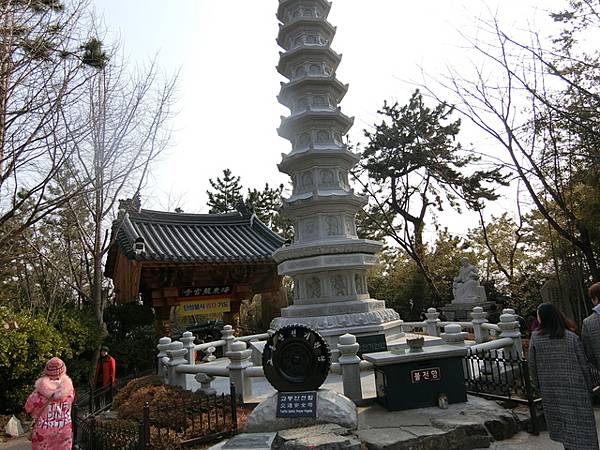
(296, 358)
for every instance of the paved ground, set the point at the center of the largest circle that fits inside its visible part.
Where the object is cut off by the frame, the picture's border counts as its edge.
(521, 441)
(525, 441)
(17, 444)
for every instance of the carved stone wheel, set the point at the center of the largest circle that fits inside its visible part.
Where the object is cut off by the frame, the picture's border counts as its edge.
(296, 358)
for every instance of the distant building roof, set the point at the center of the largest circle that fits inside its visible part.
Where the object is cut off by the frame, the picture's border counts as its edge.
(210, 238)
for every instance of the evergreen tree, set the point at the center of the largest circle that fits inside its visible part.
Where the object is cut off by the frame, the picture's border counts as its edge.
(415, 167)
(267, 204)
(226, 194)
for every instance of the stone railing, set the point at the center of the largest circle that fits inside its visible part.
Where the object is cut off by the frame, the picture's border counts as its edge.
(176, 359)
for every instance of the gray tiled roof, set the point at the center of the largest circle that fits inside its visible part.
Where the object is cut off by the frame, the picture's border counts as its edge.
(230, 237)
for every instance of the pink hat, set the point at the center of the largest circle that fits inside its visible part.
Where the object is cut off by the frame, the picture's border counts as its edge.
(55, 367)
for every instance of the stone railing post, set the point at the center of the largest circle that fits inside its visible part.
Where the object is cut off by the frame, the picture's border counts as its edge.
(454, 335)
(188, 343)
(176, 354)
(479, 318)
(509, 326)
(163, 345)
(228, 337)
(205, 380)
(239, 358)
(349, 361)
(432, 321)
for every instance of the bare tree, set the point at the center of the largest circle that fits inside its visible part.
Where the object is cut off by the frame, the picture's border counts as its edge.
(125, 115)
(41, 61)
(540, 102)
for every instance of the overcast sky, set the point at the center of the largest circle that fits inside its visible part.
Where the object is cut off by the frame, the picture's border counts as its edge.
(225, 52)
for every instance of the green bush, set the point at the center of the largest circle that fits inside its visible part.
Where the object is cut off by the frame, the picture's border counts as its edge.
(28, 341)
(132, 337)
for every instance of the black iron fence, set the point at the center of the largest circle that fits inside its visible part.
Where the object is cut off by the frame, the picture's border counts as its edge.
(203, 419)
(190, 422)
(97, 400)
(499, 375)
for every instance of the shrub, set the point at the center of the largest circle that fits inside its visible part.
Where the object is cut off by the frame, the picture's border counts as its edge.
(28, 341)
(126, 391)
(132, 336)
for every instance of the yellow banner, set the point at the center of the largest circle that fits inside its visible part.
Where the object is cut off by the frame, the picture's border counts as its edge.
(203, 307)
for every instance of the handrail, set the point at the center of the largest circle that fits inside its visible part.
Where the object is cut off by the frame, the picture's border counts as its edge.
(259, 337)
(203, 368)
(493, 345)
(205, 345)
(255, 371)
(413, 324)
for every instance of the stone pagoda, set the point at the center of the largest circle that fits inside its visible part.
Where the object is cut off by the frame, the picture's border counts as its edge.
(327, 261)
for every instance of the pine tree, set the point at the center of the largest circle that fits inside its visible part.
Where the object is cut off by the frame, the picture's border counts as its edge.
(226, 194)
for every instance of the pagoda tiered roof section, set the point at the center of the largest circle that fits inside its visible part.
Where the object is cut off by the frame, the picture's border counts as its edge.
(307, 84)
(290, 10)
(298, 32)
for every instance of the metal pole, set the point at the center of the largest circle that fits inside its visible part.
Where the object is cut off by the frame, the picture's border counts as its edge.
(74, 411)
(233, 399)
(145, 434)
(91, 405)
(530, 397)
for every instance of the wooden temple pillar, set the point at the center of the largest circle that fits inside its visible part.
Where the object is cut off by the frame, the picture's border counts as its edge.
(162, 301)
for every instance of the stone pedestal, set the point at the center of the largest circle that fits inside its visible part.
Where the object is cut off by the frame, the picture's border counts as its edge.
(461, 311)
(331, 408)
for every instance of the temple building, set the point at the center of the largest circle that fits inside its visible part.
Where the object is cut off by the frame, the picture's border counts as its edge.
(327, 261)
(200, 265)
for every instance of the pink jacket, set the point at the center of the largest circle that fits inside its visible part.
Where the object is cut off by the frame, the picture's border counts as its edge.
(50, 402)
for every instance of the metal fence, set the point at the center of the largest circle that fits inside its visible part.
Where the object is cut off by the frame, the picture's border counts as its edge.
(497, 375)
(97, 400)
(203, 419)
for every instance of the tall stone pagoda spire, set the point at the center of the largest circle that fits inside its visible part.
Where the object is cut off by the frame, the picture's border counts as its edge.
(327, 261)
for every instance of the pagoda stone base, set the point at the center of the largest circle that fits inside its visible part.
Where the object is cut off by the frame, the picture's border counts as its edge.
(462, 311)
(385, 321)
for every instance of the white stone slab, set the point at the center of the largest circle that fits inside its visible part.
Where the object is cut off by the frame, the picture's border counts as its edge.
(250, 441)
(404, 355)
(400, 343)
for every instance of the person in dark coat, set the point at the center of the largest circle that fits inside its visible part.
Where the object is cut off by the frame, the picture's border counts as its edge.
(559, 369)
(590, 330)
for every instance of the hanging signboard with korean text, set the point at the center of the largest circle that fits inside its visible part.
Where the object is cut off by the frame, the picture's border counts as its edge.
(203, 307)
(206, 291)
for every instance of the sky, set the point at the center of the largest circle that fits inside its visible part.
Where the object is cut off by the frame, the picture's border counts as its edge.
(225, 54)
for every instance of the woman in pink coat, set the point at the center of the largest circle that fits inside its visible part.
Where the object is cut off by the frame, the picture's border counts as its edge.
(50, 406)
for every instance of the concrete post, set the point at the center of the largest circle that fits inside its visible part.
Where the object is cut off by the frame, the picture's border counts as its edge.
(176, 354)
(349, 361)
(509, 327)
(479, 318)
(432, 321)
(188, 343)
(454, 335)
(205, 380)
(163, 346)
(228, 337)
(239, 358)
